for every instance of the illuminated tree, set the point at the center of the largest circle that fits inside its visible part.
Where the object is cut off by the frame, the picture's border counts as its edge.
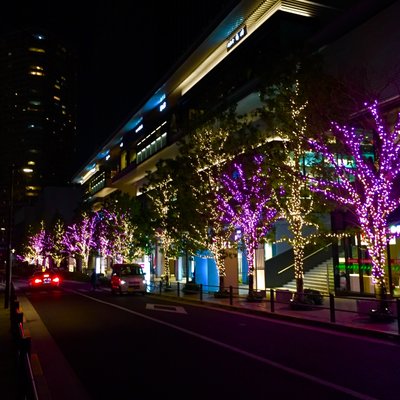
(142, 234)
(36, 250)
(114, 235)
(285, 115)
(206, 153)
(244, 203)
(133, 220)
(79, 239)
(162, 193)
(366, 187)
(57, 248)
(285, 111)
(124, 244)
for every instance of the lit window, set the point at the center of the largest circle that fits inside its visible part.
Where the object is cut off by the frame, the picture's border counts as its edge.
(36, 73)
(123, 160)
(36, 70)
(37, 50)
(56, 98)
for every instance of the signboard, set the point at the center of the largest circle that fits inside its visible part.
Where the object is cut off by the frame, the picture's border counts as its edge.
(236, 38)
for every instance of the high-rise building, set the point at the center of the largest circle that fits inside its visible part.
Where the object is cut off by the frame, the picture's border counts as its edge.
(38, 106)
(38, 86)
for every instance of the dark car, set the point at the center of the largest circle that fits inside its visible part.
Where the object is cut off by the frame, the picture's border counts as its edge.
(45, 279)
(128, 278)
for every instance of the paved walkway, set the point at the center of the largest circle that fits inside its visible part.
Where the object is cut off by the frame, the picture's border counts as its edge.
(347, 316)
(8, 354)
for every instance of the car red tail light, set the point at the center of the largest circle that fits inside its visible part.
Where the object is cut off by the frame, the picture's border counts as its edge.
(56, 279)
(37, 281)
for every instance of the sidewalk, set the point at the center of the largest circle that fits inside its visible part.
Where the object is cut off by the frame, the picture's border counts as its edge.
(50, 369)
(346, 318)
(8, 354)
(350, 314)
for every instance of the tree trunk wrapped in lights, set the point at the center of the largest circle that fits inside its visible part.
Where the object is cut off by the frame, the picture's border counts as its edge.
(218, 244)
(166, 243)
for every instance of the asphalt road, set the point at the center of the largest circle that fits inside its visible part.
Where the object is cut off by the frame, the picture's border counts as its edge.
(136, 347)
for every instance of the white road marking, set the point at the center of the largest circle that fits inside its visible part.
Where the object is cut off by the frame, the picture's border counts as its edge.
(245, 353)
(162, 307)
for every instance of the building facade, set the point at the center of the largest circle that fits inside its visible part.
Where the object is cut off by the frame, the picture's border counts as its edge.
(249, 43)
(37, 118)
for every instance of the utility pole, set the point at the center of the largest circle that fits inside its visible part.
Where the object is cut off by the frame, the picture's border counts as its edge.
(7, 295)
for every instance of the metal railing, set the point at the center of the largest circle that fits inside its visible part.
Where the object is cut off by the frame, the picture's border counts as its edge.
(365, 314)
(27, 386)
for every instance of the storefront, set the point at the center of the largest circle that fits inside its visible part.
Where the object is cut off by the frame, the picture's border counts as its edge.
(352, 266)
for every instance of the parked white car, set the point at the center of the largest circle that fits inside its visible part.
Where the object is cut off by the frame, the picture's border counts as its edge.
(128, 278)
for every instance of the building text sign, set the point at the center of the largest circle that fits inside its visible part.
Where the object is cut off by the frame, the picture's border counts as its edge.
(236, 38)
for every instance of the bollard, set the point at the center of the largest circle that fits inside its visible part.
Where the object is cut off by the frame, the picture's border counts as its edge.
(160, 287)
(26, 345)
(13, 310)
(16, 323)
(178, 289)
(13, 295)
(201, 292)
(230, 295)
(332, 307)
(398, 314)
(23, 369)
(272, 299)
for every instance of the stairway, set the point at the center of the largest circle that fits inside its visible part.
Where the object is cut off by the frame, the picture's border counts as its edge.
(316, 278)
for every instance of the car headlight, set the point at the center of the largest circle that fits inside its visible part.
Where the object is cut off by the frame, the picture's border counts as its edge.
(123, 282)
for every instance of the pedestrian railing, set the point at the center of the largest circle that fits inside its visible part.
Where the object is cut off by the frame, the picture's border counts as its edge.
(370, 314)
(26, 382)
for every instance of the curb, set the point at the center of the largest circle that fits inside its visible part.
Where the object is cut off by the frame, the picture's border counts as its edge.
(284, 317)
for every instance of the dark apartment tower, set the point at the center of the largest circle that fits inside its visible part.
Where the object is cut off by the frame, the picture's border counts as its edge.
(38, 107)
(38, 97)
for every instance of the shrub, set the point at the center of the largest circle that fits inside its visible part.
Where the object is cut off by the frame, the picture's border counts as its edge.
(313, 296)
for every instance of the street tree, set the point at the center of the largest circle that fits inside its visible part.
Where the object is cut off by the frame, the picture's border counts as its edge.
(134, 219)
(244, 202)
(367, 187)
(37, 247)
(162, 192)
(79, 239)
(286, 116)
(56, 247)
(206, 152)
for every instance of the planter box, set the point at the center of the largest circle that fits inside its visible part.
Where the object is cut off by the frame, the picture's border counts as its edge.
(364, 307)
(283, 296)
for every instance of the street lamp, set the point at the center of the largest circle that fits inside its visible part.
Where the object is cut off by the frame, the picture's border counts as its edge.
(7, 295)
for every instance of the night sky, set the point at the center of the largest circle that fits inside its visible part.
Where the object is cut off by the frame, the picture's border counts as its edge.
(125, 48)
